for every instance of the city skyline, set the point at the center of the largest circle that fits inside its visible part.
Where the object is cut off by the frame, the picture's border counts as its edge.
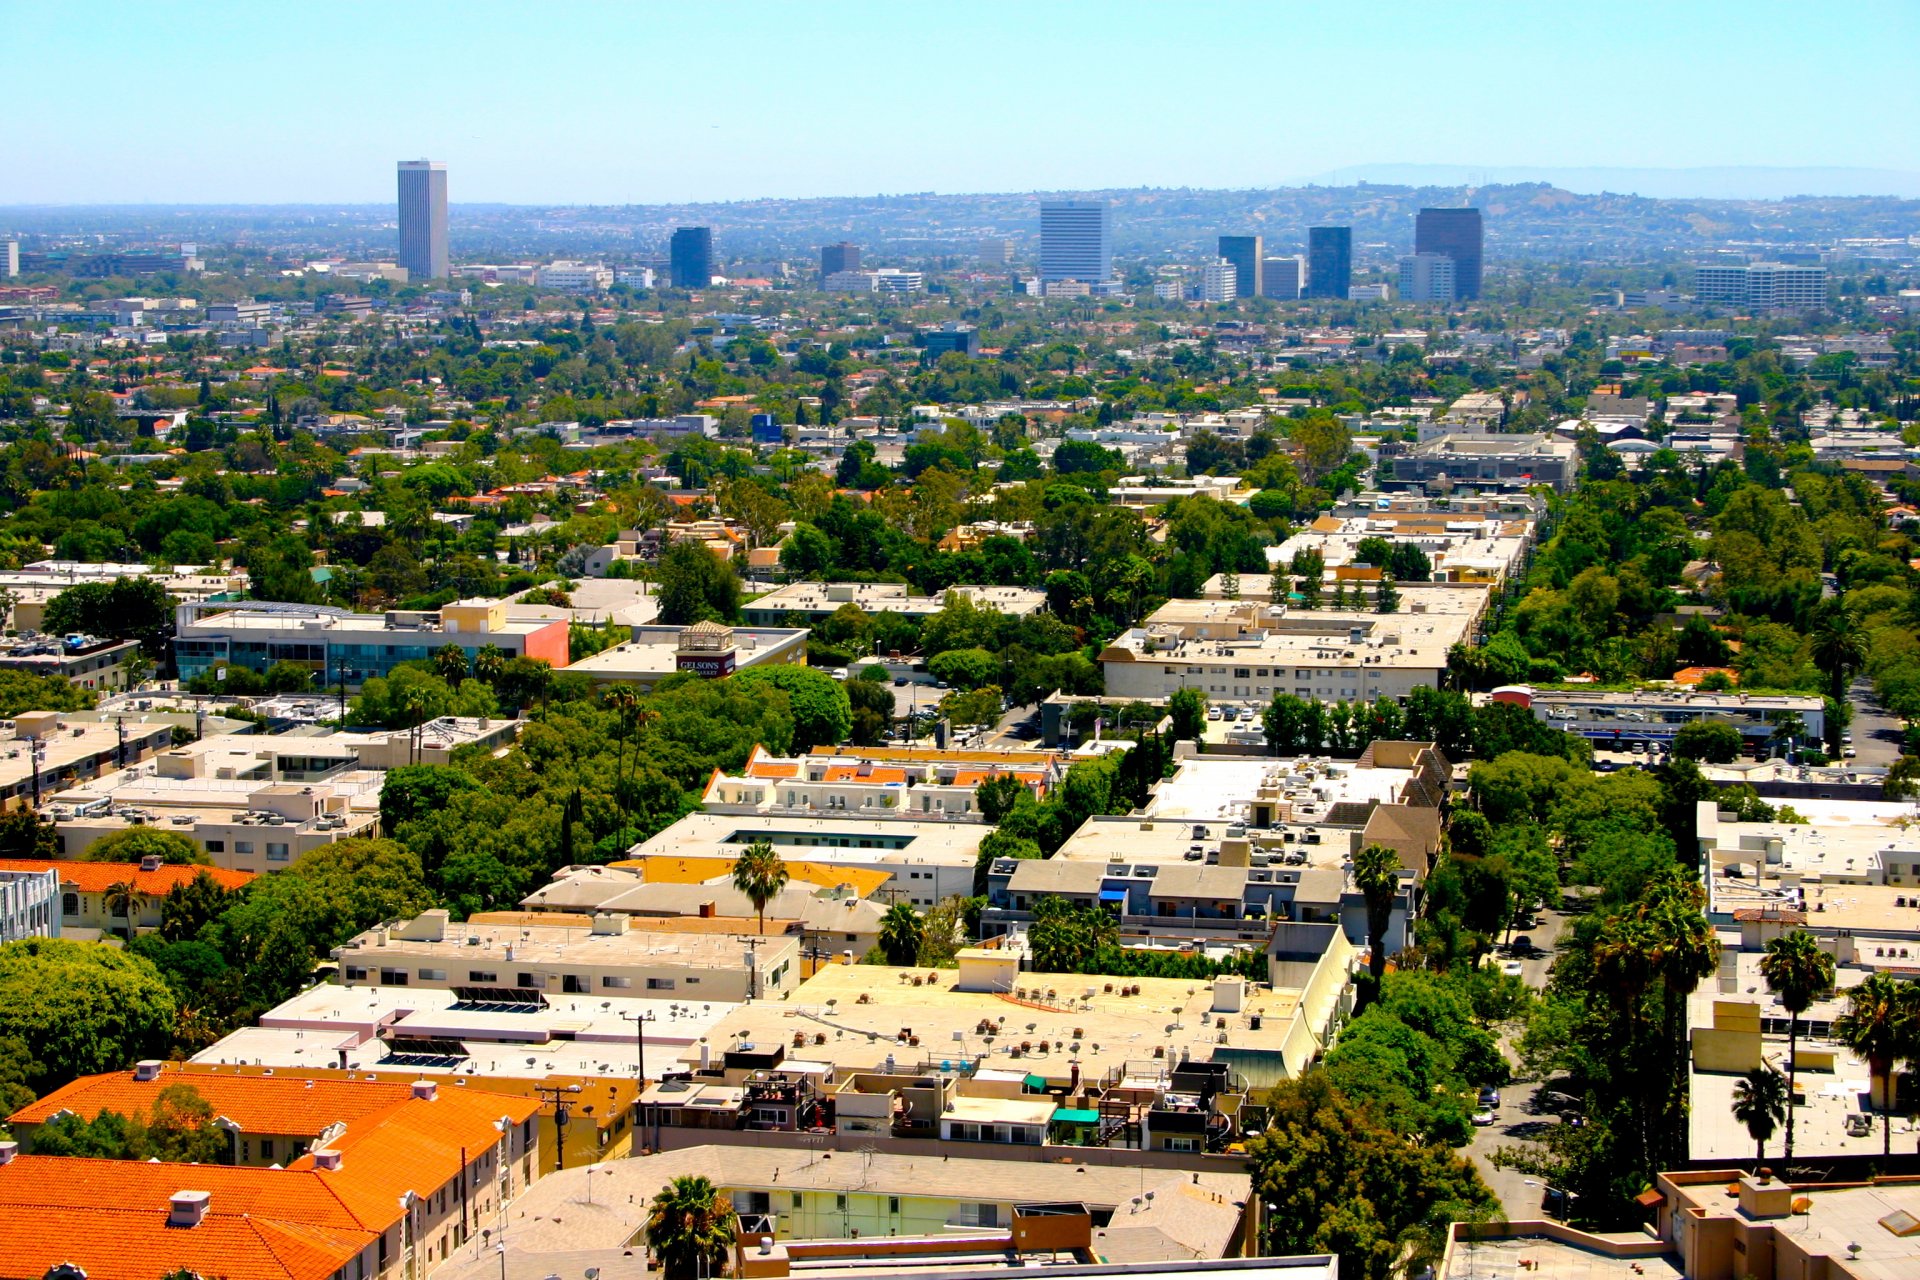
(658, 139)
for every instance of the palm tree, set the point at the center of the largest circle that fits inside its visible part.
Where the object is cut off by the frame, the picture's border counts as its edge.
(1376, 873)
(1839, 650)
(1760, 1103)
(1879, 1025)
(489, 661)
(450, 663)
(624, 702)
(1687, 953)
(122, 899)
(760, 875)
(687, 1226)
(1796, 970)
(900, 934)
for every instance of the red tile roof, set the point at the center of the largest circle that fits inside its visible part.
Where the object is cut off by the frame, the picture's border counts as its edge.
(258, 1104)
(97, 877)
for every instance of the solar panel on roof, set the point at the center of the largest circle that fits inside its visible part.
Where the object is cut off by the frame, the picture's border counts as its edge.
(425, 1047)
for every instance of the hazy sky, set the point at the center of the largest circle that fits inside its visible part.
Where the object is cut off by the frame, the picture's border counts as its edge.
(550, 102)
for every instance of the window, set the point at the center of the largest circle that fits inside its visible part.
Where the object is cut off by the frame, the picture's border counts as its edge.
(616, 983)
(277, 853)
(433, 975)
(530, 981)
(243, 846)
(659, 984)
(266, 1148)
(840, 1203)
(893, 1204)
(1183, 1144)
(576, 985)
(215, 846)
(356, 974)
(393, 977)
(799, 1202)
(482, 975)
(69, 904)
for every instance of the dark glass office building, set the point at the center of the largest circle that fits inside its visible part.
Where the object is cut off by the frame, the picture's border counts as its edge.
(1244, 253)
(835, 258)
(690, 258)
(1329, 262)
(423, 219)
(1456, 234)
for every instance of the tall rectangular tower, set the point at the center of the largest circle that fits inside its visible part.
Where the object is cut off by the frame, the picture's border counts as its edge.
(690, 258)
(1244, 253)
(835, 258)
(1076, 241)
(1329, 262)
(1456, 234)
(423, 219)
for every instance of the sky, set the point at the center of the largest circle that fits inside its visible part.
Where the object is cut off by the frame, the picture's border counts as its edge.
(623, 102)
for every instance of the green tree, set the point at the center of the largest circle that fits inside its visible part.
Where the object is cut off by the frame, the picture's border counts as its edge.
(122, 899)
(1188, 708)
(1881, 1024)
(1376, 873)
(1839, 650)
(760, 873)
(1714, 741)
(1064, 937)
(1796, 971)
(84, 1007)
(690, 1229)
(1760, 1103)
(822, 714)
(900, 934)
(694, 585)
(416, 790)
(124, 609)
(131, 844)
(188, 908)
(23, 691)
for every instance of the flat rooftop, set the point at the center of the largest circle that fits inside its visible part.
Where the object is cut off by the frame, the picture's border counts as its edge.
(560, 944)
(1210, 788)
(822, 840)
(1836, 1219)
(655, 651)
(1549, 1259)
(568, 1035)
(893, 597)
(863, 1010)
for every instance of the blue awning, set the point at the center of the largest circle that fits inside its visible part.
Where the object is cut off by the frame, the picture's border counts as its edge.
(1113, 895)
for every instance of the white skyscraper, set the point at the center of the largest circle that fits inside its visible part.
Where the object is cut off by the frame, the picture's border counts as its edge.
(1426, 277)
(1076, 241)
(9, 259)
(1219, 281)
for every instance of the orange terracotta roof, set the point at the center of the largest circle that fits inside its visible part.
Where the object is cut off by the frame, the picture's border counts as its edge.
(109, 1217)
(98, 877)
(258, 1104)
(772, 769)
(662, 868)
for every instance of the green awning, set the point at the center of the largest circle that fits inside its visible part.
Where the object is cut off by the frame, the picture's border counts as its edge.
(1074, 1115)
(1036, 1083)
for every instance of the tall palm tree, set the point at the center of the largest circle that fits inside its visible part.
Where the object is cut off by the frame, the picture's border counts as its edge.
(1376, 874)
(489, 661)
(689, 1225)
(760, 874)
(900, 934)
(1839, 650)
(624, 702)
(1879, 1025)
(1687, 953)
(1796, 970)
(1760, 1103)
(122, 899)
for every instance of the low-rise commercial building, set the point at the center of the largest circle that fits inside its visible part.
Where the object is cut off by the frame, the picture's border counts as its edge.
(341, 647)
(1655, 716)
(1245, 650)
(608, 958)
(815, 602)
(102, 899)
(86, 661)
(243, 825)
(710, 650)
(49, 750)
(1477, 461)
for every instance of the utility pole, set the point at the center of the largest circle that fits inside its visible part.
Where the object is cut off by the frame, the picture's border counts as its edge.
(557, 1095)
(640, 1022)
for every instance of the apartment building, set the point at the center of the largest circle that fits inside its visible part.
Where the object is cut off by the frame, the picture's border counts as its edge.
(111, 899)
(878, 782)
(607, 958)
(1456, 461)
(576, 277)
(243, 825)
(338, 646)
(29, 901)
(1762, 286)
(86, 661)
(47, 751)
(710, 650)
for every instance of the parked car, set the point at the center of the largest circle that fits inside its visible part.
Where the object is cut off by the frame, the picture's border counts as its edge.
(1489, 1096)
(1482, 1119)
(1513, 968)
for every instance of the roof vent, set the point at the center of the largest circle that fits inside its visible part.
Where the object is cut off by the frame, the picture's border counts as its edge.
(147, 1069)
(8, 1150)
(152, 862)
(425, 1090)
(329, 1161)
(188, 1208)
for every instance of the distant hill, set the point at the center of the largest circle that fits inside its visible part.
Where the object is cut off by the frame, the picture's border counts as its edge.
(1714, 182)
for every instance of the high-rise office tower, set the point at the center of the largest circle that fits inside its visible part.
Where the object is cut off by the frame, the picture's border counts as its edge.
(835, 258)
(1429, 277)
(1076, 241)
(690, 258)
(9, 259)
(1454, 233)
(1282, 277)
(1244, 253)
(1329, 262)
(423, 219)
(1218, 281)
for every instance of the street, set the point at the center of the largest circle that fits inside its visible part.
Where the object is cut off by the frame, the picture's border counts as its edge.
(1877, 736)
(1520, 1113)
